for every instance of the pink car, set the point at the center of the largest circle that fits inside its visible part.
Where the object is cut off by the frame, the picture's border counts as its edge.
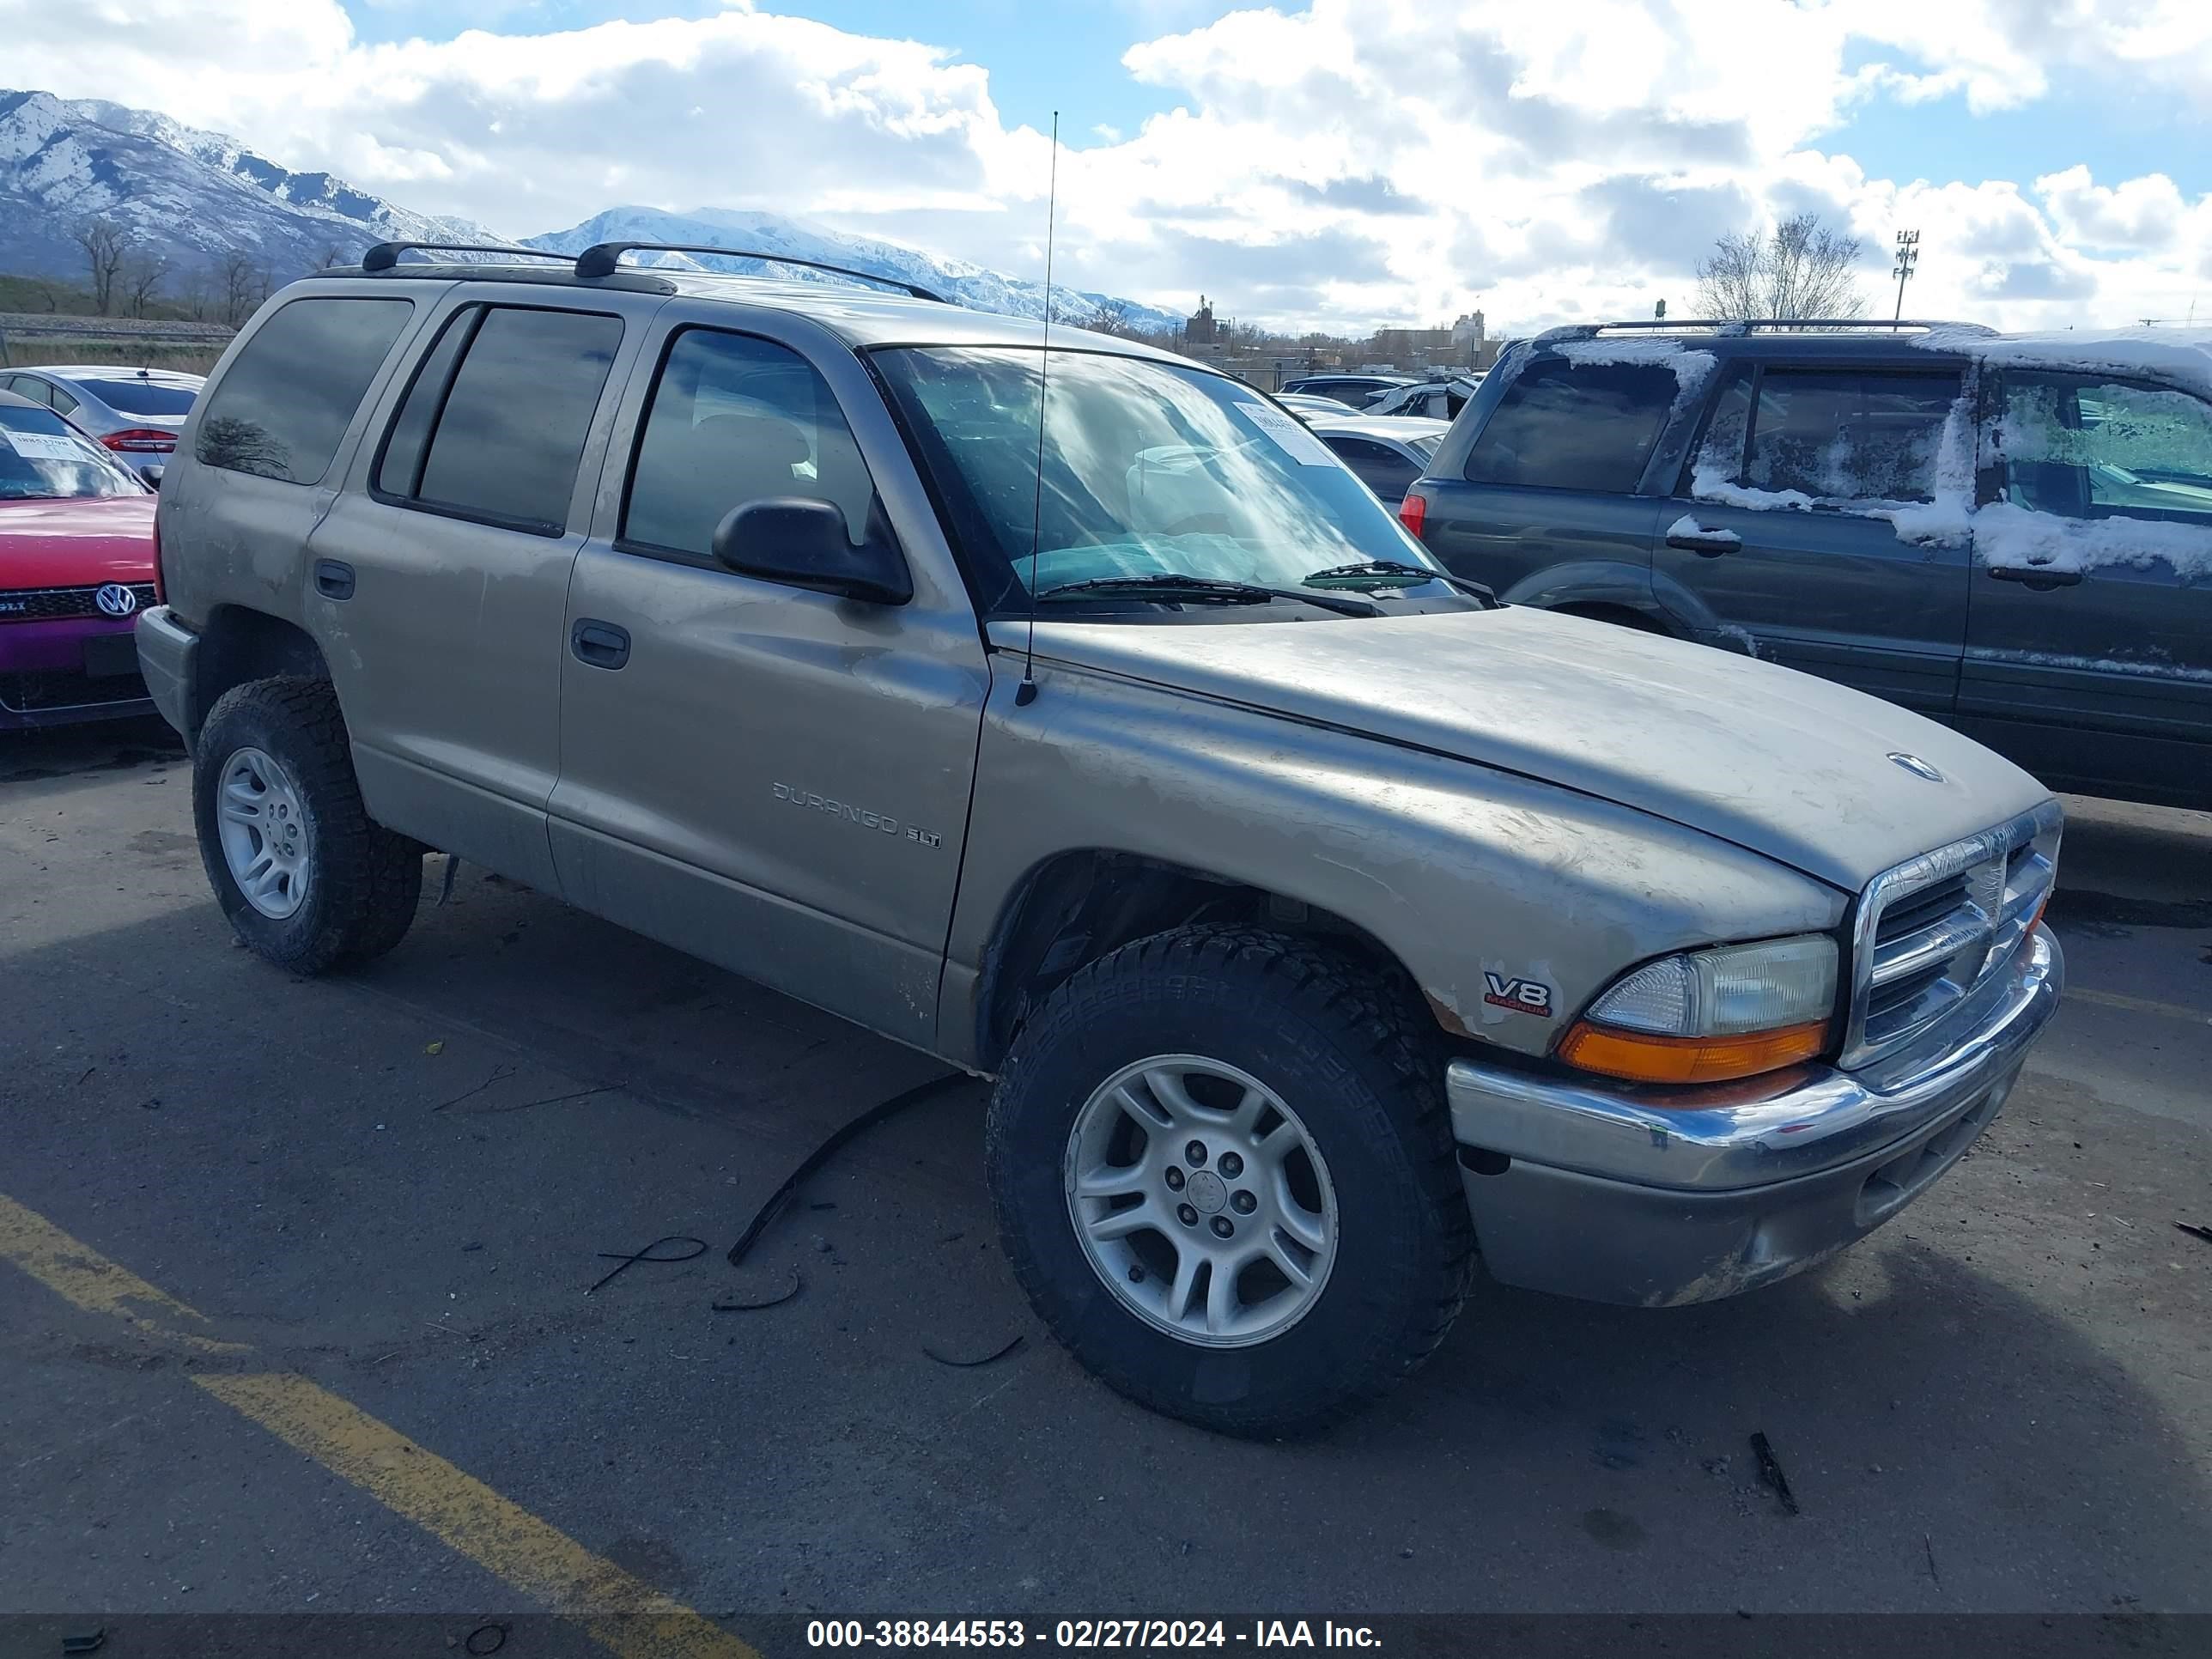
(76, 564)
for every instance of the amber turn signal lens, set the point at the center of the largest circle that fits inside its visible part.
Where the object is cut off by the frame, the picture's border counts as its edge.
(1689, 1060)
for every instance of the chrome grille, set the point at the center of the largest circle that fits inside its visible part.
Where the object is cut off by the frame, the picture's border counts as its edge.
(1932, 929)
(53, 603)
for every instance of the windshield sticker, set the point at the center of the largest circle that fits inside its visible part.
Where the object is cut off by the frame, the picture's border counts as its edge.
(1289, 434)
(41, 446)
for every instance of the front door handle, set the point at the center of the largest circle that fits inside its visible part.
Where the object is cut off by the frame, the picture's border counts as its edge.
(2036, 580)
(1711, 544)
(599, 643)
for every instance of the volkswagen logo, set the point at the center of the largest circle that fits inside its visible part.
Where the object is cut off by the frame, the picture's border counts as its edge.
(115, 599)
(1918, 767)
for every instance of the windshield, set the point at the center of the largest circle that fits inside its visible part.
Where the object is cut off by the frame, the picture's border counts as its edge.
(143, 396)
(1149, 470)
(42, 457)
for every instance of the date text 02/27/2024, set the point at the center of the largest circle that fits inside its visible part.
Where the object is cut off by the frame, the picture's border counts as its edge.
(1128, 1634)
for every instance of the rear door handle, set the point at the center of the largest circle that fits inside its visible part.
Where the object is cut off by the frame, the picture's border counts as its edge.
(333, 579)
(1711, 542)
(599, 643)
(2040, 581)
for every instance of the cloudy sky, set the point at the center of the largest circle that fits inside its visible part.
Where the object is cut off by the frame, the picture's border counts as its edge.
(1343, 164)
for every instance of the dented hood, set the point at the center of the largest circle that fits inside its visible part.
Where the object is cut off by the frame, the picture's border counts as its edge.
(1778, 761)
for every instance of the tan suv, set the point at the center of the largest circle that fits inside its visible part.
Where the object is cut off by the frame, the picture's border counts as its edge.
(1077, 716)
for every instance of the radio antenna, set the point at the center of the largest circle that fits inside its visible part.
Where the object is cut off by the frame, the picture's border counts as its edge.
(1025, 693)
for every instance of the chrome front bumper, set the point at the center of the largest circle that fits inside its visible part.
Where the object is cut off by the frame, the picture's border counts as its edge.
(1658, 1196)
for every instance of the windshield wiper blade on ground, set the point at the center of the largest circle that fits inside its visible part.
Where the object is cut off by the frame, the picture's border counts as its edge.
(1383, 570)
(1202, 590)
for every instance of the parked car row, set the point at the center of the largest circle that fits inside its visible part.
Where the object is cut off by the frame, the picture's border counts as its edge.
(1437, 399)
(79, 448)
(1322, 923)
(135, 412)
(2013, 536)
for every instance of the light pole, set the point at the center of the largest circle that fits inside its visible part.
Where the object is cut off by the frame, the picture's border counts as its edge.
(1908, 255)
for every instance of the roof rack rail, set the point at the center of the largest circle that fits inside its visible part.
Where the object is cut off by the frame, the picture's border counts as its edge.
(602, 258)
(384, 255)
(1741, 325)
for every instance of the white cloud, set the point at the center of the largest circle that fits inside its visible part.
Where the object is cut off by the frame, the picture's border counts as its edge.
(2139, 213)
(1386, 159)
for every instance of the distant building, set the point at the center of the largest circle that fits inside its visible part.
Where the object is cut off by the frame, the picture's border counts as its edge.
(1200, 329)
(1468, 335)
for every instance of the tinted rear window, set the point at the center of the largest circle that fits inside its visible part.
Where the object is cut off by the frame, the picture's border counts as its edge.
(1575, 426)
(143, 396)
(503, 442)
(286, 400)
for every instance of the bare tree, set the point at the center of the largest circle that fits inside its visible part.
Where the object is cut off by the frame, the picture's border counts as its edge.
(1117, 318)
(197, 294)
(240, 286)
(104, 250)
(333, 254)
(141, 278)
(1799, 269)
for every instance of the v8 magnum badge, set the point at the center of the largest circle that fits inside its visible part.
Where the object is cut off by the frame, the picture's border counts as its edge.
(1518, 993)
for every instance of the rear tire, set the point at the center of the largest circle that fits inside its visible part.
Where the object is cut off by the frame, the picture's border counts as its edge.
(1369, 1207)
(309, 880)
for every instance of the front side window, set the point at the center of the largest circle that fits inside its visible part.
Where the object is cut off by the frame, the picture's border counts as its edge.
(43, 458)
(494, 425)
(1150, 471)
(285, 402)
(2090, 448)
(1564, 425)
(733, 420)
(1828, 435)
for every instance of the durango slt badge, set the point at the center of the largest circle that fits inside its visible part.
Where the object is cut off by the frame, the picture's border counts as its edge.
(852, 814)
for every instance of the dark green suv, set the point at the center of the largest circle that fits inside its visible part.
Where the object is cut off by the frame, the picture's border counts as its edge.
(2010, 534)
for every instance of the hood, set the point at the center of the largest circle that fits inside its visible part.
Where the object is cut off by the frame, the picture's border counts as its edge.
(1787, 765)
(76, 544)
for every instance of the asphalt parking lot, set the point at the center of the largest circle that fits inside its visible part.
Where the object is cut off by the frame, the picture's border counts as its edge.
(385, 1196)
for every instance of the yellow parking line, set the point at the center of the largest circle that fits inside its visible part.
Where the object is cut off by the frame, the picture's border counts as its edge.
(2139, 1004)
(620, 1611)
(81, 1274)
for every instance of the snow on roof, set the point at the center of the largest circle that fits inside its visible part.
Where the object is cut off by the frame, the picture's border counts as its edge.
(2179, 355)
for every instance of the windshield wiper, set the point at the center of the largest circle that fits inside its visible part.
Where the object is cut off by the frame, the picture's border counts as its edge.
(1207, 590)
(1398, 572)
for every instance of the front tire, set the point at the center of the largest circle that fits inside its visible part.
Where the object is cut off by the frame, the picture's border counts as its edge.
(1225, 1175)
(309, 880)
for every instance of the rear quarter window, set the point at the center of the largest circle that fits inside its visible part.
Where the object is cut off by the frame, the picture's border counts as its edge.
(1563, 425)
(494, 426)
(280, 409)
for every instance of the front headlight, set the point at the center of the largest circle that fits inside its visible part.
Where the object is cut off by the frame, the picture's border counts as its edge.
(1708, 1016)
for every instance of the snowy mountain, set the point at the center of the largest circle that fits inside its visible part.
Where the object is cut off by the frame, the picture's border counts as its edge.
(193, 195)
(196, 196)
(957, 280)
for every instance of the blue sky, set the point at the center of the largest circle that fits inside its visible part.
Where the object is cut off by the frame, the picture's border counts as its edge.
(1041, 57)
(2096, 124)
(1329, 163)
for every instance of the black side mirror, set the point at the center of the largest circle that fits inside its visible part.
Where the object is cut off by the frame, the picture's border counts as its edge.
(805, 543)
